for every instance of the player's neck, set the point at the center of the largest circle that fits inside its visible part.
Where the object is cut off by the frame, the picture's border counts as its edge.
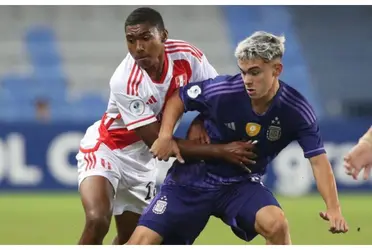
(156, 71)
(260, 106)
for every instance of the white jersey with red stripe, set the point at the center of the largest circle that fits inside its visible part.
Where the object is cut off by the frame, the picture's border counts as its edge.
(111, 148)
(136, 100)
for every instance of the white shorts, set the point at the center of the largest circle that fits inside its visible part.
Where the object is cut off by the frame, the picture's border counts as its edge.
(132, 172)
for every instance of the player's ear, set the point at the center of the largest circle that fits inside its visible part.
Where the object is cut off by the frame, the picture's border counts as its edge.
(164, 35)
(278, 68)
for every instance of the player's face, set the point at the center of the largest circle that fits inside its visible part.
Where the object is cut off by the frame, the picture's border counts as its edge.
(145, 44)
(258, 76)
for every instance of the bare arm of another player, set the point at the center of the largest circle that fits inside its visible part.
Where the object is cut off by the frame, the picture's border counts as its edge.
(360, 157)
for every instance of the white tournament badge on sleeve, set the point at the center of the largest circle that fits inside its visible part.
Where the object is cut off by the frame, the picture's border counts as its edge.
(137, 107)
(194, 91)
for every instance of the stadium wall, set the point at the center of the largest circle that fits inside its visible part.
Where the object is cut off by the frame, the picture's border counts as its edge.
(41, 157)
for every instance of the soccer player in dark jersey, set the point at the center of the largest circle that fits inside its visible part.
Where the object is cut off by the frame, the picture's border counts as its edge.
(253, 105)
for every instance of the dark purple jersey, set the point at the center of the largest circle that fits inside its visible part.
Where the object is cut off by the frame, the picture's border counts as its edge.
(229, 117)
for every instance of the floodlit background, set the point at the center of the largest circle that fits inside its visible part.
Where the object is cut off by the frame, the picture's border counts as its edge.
(56, 62)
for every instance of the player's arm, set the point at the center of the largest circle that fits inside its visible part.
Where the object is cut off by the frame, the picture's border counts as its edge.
(325, 180)
(139, 117)
(187, 98)
(201, 70)
(312, 145)
(367, 137)
(360, 157)
(203, 73)
(311, 142)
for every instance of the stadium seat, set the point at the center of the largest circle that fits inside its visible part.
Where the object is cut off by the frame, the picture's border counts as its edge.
(41, 44)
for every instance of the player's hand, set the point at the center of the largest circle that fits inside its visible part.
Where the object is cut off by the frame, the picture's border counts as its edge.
(239, 153)
(337, 223)
(197, 132)
(163, 148)
(359, 158)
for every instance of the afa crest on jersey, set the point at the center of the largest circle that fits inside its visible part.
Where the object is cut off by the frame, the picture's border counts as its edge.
(160, 205)
(252, 129)
(274, 131)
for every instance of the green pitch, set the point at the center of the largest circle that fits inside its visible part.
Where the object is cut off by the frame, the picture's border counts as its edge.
(58, 219)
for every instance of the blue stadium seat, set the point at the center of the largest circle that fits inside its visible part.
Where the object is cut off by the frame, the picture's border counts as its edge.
(14, 110)
(87, 109)
(41, 44)
(18, 86)
(29, 89)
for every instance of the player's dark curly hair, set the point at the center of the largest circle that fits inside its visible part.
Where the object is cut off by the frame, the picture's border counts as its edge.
(145, 15)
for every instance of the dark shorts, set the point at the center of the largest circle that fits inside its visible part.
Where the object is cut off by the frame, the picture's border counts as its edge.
(179, 213)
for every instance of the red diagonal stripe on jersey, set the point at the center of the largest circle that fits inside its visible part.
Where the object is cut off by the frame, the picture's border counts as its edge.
(135, 81)
(137, 85)
(184, 46)
(180, 42)
(192, 52)
(130, 79)
(141, 120)
(94, 159)
(87, 161)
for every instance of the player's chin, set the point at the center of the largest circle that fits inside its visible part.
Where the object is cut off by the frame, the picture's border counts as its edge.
(254, 95)
(144, 63)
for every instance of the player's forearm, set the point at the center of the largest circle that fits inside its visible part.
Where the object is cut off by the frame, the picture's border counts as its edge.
(367, 137)
(191, 150)
(174, 109)
(326, 183)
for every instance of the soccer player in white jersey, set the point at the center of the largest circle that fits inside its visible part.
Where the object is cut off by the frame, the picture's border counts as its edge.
(117, 172)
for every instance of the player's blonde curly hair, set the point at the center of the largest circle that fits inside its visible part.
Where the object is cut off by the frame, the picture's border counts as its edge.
(262, 45)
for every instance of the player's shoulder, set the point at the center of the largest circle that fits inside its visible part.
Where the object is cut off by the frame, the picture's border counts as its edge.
(223, 86)
(296, 103)
(226, 80)
(179, 49)
(127, 77)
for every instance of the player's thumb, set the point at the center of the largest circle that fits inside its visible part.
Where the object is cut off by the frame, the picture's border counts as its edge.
(153, 146)
(324, 216)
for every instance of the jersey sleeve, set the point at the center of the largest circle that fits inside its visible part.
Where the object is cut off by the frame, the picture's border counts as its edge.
(308, 136)
(133, 110)
(192, 96)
